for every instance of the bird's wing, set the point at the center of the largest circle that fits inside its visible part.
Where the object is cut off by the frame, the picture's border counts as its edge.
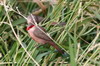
(40, 34)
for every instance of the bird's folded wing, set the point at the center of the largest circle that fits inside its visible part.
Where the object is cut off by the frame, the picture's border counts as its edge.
(40, 33)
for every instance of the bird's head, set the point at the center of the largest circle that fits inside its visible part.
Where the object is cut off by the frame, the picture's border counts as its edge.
(30, 19)
(33, 19)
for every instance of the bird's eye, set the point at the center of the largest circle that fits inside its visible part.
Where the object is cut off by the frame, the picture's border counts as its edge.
(29, 27)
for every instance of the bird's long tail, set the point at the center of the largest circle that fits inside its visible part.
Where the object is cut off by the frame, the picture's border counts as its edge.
(57, 47)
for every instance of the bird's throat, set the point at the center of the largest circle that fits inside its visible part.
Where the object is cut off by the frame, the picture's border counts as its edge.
(29, 27)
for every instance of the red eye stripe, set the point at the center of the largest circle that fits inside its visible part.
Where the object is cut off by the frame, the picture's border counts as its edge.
(29, 27)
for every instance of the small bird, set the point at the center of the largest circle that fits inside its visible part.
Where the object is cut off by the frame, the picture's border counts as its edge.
(38, 34)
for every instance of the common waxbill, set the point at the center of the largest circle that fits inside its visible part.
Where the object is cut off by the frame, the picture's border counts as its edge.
(39, 35)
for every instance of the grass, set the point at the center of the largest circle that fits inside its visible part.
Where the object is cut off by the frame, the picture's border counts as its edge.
(80, 37)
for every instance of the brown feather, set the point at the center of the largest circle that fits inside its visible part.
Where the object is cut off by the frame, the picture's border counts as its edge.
(38, 34)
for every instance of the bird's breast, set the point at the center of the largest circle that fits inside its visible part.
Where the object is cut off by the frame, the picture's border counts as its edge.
(34, 37)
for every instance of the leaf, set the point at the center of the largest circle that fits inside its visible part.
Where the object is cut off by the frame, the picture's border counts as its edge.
(14, 23)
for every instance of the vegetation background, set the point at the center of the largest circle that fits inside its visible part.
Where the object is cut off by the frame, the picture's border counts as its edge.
(80, 37)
